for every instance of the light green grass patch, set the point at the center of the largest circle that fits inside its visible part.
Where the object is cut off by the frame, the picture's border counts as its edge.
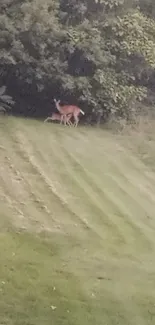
(77, 222)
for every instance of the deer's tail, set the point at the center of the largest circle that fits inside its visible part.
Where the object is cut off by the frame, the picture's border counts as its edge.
(82, 112)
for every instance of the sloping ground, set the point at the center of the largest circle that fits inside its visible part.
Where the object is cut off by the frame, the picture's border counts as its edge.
(77, 218)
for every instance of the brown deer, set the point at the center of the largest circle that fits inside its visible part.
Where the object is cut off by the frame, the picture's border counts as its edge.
(69, 109)
(58, 117)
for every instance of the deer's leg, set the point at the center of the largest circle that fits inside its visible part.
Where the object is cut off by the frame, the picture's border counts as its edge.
(68, 120)
(69, 123)
(65, 120)
(47, 119)
(62, 119)
(76, 119)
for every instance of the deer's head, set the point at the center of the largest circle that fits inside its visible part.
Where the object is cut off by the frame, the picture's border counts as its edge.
(57, 101)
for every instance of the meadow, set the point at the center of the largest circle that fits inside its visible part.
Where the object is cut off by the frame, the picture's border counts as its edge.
(77, 225)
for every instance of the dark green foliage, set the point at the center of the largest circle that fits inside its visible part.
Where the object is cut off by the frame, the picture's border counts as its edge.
(98, 54)
(6, 101)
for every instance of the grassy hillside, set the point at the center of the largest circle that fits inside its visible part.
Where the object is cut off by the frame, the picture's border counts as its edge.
(77, 218)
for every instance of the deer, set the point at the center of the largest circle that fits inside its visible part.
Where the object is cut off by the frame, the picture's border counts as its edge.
(58, 117)
(69, 109)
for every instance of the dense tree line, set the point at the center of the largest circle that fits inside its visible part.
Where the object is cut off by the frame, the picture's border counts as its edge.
(99, 54)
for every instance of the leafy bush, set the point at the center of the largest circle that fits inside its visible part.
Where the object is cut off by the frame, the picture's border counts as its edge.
(97, 54)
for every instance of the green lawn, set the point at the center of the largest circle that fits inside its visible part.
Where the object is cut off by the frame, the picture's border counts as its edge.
(77, 239)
